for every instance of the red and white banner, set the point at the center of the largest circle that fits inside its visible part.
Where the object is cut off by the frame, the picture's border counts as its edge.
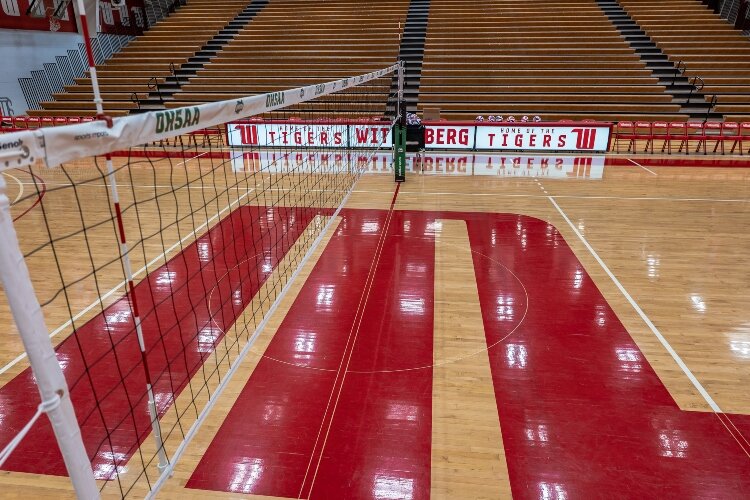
(553, 137)
(583, 136)
(449, 136)
(544, 137)
(299, 134)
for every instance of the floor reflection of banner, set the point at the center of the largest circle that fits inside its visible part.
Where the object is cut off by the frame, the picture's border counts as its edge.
(543, 166)
(275, 161)
(568, 167)
(587, 167)
(447, 164)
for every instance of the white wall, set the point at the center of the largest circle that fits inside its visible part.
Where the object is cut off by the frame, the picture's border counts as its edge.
(22, 51)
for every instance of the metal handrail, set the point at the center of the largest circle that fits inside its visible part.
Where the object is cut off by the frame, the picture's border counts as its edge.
(679, 70)
(153, 84)
(134, 98)
(173, 70)
(696, 85)
(711, 106)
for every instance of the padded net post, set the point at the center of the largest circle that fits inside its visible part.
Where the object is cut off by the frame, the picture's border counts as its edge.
(51, 383)
(399, 130)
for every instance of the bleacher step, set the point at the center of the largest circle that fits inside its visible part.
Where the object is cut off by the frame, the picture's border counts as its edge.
(411, 51)
(202, 57)
(656, 61)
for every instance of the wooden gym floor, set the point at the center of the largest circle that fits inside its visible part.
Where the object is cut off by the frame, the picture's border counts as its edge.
(517, 326)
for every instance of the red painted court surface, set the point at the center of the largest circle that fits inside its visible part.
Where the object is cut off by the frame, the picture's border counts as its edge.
(109, 345)
(340, 406)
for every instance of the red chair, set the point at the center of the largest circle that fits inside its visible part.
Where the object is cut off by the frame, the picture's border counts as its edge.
(644, 130)
(659, 132)
(730, 131)
(676, 131)
(743, 134)
(20, 122)
(626, 132)
(696, 131)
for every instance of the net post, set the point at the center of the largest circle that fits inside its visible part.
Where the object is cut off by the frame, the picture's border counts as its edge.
(399, 129)
(50, 380)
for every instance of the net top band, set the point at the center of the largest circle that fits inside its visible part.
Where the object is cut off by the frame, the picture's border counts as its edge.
(57, 145)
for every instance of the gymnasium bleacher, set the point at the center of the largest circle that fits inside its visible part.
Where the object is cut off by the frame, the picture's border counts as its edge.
(561, 59)
(282, 49)
(173, 40)
(710, 48)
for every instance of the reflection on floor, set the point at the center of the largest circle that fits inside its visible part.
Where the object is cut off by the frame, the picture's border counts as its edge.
(341, 407)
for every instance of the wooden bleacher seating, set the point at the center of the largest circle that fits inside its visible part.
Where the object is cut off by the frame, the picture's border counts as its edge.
(173, 40)
(281, 49)
(560, 59)
(710, 47)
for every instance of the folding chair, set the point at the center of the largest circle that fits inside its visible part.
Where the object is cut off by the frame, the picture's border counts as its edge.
(659, 132)
(696, 131)
(743, 134)
(676, 131)
(644, 130)
(20, 122)
(625, 131)
(728, 131)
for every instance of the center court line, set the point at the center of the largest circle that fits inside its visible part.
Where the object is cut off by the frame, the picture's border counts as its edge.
(347, 357)
(101, 299)
(642, 314)
(644, 168)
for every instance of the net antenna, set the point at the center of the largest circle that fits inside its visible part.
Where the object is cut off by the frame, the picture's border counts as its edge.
(124, 247)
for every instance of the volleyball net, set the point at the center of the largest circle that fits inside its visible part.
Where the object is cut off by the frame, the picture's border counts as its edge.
(151, 249)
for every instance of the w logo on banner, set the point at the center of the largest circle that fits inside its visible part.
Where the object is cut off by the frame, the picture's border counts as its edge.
(585, 138)
(248, 134)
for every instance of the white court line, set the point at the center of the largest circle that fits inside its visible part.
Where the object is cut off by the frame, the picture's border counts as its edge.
(644, 168)
(20, 187)
(640, 312)
(126, 186)
(581, 197)
(123, 283)
(191, 159)
(447, 193)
